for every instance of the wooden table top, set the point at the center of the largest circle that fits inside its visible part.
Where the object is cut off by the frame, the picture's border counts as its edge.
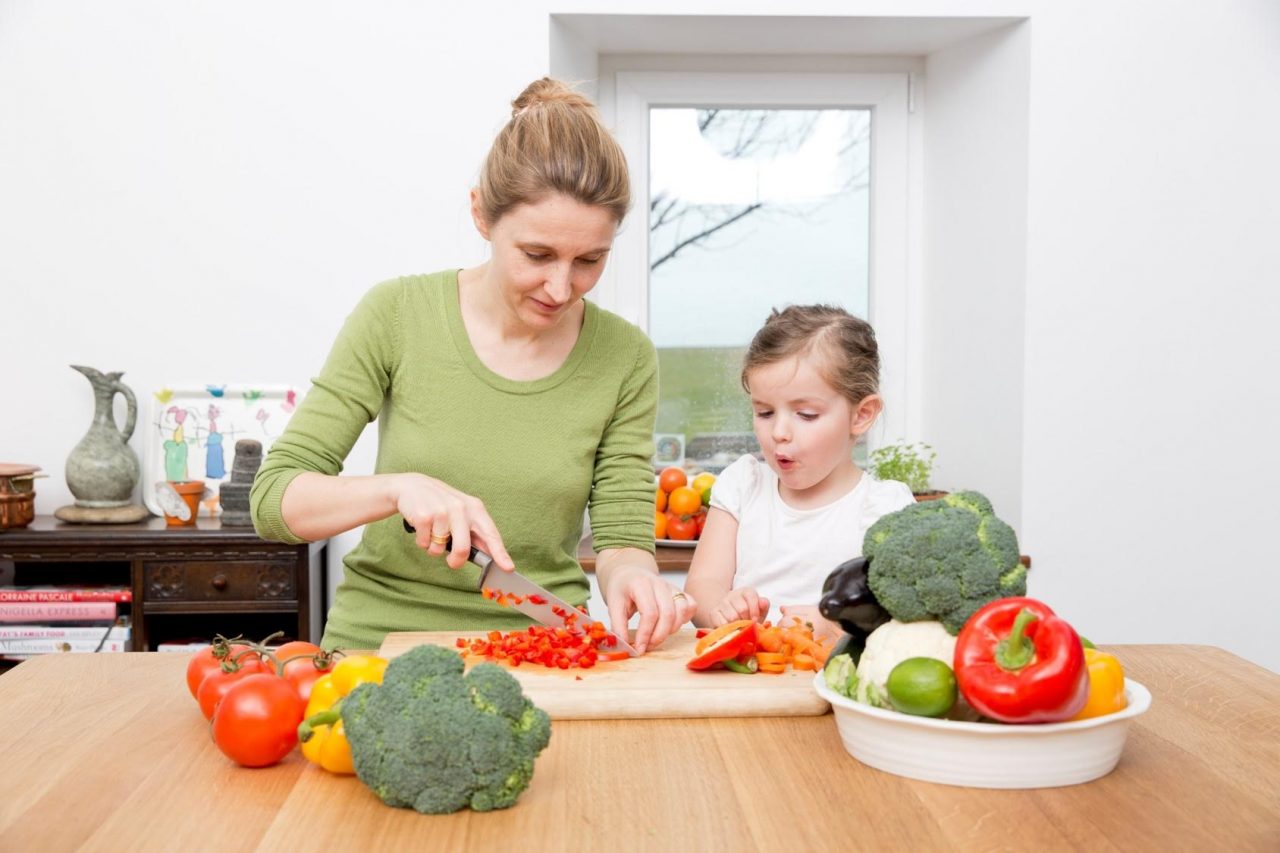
(110, 752)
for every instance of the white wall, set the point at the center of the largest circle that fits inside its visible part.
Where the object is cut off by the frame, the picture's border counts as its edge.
(975, 107)
(245, 173)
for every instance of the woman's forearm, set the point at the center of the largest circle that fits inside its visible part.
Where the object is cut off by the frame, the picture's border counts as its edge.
(608, 560)
(318, 506)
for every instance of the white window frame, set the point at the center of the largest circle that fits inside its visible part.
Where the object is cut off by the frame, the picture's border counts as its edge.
(624, 288)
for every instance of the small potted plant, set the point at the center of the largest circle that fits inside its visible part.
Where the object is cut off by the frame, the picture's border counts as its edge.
(907, 463)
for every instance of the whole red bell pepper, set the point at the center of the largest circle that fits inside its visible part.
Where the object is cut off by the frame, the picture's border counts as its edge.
(1019, 663)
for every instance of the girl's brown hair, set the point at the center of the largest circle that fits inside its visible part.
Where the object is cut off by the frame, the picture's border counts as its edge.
(553, 143)
(849, 356)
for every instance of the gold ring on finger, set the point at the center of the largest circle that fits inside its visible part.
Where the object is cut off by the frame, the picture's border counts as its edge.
(677, 596)
(436, 539)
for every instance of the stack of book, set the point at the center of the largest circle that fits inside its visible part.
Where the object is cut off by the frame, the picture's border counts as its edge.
(40, 620)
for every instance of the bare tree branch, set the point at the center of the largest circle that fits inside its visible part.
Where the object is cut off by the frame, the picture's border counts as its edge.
(702, 235)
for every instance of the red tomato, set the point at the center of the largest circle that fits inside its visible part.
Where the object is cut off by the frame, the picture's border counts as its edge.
(204, 662)
(682, 528)
(217, 683)
(701, 518)
(256, 723)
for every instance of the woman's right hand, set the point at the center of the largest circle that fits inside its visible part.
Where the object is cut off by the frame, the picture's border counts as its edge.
(437, 511)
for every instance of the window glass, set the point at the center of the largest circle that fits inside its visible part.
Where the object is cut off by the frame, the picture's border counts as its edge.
(749, 209)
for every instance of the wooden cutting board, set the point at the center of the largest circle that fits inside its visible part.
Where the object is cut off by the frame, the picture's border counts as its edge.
(656, 684)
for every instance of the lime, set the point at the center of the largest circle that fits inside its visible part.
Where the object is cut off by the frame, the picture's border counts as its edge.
(925, 687)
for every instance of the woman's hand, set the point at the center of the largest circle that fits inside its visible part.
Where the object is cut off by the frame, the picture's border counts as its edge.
(631, 584)
(437, 511)
(822, 627)
(744, 603)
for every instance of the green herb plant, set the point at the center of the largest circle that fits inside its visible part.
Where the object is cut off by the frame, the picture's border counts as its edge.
(906, 463)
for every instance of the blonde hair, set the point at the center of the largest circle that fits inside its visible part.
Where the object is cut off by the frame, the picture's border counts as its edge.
(553, 143)
(849, 356)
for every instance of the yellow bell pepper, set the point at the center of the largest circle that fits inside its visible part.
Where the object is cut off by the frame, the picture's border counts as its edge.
(323, 740)
(1106, 685)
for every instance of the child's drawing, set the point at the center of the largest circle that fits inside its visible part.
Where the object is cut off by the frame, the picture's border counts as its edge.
(193, 431)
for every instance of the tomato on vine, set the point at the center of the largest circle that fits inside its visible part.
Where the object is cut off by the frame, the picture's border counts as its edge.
(256, 723)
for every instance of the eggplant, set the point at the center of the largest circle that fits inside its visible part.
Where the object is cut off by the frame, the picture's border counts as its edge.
(847, 599)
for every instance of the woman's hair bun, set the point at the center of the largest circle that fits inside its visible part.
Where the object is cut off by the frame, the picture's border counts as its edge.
(547, 91)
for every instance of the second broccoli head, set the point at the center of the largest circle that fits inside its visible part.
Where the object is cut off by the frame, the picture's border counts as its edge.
(943, 559)
(435, 740)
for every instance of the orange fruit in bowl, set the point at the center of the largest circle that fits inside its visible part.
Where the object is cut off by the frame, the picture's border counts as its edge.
(660, 498)
(671, 479)
(659, 525)
(684, 501)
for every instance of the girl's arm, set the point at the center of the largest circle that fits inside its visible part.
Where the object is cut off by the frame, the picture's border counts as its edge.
(712, 569)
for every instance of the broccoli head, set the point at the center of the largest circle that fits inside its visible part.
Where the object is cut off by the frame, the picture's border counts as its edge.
(435, 740)
(943, 559)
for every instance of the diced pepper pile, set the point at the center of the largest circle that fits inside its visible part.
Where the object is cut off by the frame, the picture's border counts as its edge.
(574, 644)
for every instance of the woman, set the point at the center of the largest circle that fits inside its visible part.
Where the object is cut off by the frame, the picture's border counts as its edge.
(506, 404)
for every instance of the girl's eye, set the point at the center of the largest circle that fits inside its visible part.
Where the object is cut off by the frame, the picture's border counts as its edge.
(808, 416)
(765, 414)
(588, 261)
(533, 256)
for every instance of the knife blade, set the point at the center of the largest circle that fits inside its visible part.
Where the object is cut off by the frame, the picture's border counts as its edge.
(527, 597)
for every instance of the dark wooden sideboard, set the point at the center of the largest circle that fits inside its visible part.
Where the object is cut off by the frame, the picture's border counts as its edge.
(187, 582)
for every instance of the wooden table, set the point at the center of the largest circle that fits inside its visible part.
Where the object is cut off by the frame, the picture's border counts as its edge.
(109, 752)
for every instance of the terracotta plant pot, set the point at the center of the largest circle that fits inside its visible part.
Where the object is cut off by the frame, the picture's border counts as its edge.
(191, 491)
(929, 496)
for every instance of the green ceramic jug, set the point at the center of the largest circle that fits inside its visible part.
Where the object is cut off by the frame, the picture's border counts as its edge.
(102, 470)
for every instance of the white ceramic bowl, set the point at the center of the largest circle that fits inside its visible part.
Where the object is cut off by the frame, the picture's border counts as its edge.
(984, 755)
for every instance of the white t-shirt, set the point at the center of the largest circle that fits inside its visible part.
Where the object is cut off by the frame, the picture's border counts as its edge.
(786, 553)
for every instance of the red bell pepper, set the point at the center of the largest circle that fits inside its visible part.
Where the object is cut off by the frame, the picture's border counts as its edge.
(725, 643)
(1019, 663)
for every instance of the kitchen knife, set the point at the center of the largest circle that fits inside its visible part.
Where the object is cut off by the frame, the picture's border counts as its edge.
(527, 597)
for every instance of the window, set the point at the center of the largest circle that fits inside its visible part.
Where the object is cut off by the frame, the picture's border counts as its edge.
(753, 191)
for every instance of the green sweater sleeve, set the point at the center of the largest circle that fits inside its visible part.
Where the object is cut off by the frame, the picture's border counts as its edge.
(343, 400)
(621, 505)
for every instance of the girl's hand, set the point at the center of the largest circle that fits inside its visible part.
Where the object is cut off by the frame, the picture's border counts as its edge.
(744, 603)
(662, 607)
(822, 627)
(437, 511)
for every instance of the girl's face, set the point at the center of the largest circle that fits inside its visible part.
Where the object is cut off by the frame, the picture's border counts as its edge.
(807, 430)
(547, 255)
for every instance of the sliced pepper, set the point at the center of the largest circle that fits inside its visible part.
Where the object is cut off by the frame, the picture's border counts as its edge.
(725, 643)
(321, 735)
(1106, 685)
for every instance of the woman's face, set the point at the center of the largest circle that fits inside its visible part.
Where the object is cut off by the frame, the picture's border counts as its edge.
(547, 255)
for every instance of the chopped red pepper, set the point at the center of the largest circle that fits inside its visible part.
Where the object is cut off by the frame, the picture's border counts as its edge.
(725, 643)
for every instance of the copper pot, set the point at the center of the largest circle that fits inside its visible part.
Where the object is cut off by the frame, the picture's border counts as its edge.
(17, 494)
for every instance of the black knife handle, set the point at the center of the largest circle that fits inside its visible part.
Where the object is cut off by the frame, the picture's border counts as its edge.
(475, 555)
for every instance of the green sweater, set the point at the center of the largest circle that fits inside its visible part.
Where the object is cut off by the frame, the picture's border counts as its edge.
(535, 452)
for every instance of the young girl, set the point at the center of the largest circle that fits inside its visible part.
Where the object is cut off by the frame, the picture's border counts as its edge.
(777, 528)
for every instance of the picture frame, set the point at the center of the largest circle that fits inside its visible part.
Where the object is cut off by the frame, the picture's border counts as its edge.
(668, 449)
(192, 431)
